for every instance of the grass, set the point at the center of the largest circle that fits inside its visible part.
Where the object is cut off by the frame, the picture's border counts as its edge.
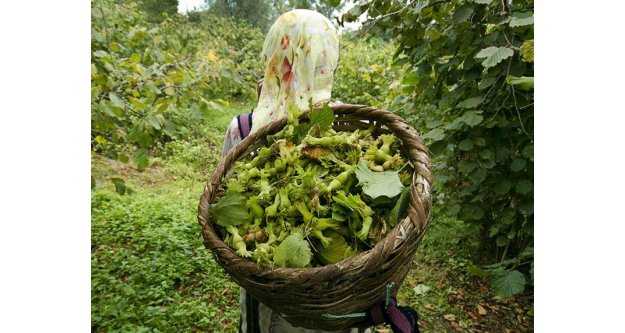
(151, 273)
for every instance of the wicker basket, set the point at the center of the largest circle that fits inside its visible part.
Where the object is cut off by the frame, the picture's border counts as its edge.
(303, 295)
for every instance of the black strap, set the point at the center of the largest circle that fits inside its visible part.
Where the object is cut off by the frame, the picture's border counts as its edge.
(251, 313)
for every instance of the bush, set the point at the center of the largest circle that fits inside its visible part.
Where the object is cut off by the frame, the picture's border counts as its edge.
(365, 73)
(157, 82)
(469, 89)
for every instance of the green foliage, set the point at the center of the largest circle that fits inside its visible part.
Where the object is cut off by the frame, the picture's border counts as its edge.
(150, 271)
(257, 13)
(365, 73)
(230, 210)
(400, 206)
(262, 13)
(469, 90)
(152, 83)
(156, 8)
(325, 7)
(294, 251)
(337, 251)
(378, 184)
(507, 284)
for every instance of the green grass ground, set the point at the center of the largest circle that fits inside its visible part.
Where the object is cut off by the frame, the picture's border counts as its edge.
(151, 273)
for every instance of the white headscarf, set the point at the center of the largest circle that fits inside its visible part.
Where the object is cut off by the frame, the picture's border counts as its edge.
(301, 54)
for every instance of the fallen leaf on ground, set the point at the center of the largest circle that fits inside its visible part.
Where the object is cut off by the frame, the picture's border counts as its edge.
(472, 315)
(449, 317)
(481, 310)
(429, 306)
(454, 325)
(421, 289)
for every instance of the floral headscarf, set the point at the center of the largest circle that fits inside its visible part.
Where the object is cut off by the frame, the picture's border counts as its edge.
(301, 54)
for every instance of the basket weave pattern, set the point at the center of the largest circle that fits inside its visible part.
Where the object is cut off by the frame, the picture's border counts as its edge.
(303, 295)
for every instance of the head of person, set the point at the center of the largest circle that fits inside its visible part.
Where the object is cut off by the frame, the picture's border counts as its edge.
(301, 53)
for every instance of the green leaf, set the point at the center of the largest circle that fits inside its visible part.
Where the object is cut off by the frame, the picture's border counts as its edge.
(169, 91)
(100, 54)
(488, 163)
(528, 152)
(117, 102)
(135, 58)
(501, 241)
(476, 271)
(486, 154)
(502, 187)
(120, 185)
(478, 175)
(154, 121)
(465, 145)
(400, 207)
(521, 18)
(508, 283)
(92, 182)
(294, 252)
(336, 251)
(494, 55)
(229, 210)
(473, 212)
(485, 83)
(524, 186)
(494, 230)
(300, 132)
(517, 164)
(322, 117)
(123, 158)
(483, 2)
(523, 82)
(141, 159)
(106, 109)
(472, 118)
(96, 12)
(436, 134)
(438, 147)
(502, 154)
(508, 216)
(462, 13)
(466, 166)
(377, 184)
(526, 208)
(421, 289)
(470, 103)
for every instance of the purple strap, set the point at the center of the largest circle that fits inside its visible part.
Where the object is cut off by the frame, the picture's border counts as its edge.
(402, 319)
(245, 124)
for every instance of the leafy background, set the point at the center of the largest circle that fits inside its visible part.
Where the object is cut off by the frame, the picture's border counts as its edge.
(164, 87)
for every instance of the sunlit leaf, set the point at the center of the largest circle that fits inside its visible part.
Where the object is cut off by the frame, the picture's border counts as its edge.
(522, 83)
(521, 18)
(377, 184)
(494, 55)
